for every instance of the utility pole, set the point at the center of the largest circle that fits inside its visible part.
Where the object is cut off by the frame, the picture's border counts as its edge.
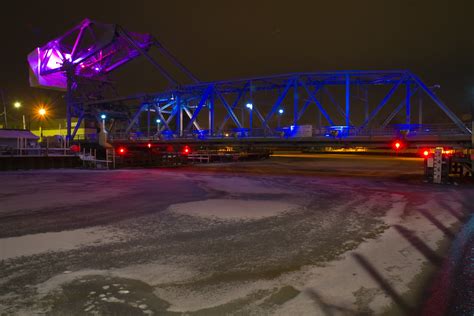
(4, 108)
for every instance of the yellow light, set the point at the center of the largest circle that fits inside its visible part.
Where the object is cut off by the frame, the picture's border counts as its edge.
(42, 112)
(17, 105)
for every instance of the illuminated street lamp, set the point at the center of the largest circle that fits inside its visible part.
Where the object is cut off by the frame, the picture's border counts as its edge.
(42, 113)
(158, 121)
(17, 105)
(250, 107)
(280, 113)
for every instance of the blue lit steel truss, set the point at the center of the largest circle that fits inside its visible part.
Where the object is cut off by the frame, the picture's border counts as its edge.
(253, 107)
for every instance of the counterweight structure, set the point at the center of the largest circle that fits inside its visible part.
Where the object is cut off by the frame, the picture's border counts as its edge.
(340, 104)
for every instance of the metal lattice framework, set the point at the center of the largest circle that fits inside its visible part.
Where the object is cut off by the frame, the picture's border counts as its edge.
(352, 103)
(215, 109)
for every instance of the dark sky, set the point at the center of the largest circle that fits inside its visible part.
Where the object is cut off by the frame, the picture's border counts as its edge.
(230, 39)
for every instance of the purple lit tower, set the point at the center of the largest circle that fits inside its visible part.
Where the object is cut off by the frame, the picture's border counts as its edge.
(90, 51)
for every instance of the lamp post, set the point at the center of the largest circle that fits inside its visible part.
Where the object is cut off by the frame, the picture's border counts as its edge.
(103, 117)
(158, 121)
(250, 107)
(280, 113)
(17, 105)
(42, 113)
(4, 108)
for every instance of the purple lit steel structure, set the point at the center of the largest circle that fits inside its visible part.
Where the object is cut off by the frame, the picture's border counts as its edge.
(88, 53)
(92, 50)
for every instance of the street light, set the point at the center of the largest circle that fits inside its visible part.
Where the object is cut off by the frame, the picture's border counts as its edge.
(103, 116)
(158, 121)
(280, 113)
(17, 105)
(250, 107)
(42, 114)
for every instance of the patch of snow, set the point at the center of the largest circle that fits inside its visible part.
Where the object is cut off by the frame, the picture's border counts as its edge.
(33, 244)
(233, 209)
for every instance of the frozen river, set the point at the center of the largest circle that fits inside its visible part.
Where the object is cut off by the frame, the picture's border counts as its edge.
(319, 236)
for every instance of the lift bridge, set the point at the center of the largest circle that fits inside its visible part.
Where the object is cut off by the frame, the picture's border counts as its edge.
(310, 107)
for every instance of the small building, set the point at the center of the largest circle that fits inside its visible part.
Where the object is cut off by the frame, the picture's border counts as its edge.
(57, 127)
(11, 139)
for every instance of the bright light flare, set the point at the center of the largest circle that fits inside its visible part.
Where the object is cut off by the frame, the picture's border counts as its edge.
(17, 105)
(121, 150)
(42, 112)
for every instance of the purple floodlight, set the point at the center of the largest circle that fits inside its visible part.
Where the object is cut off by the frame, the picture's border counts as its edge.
(90, 50)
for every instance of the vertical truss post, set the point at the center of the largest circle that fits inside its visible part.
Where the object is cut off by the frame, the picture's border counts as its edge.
(148, 121)
(320, 114)
(69, 107)
(366, 99)
(295, 103)
(211, 112)
(407, 103)
(348, 99)
(179, 115)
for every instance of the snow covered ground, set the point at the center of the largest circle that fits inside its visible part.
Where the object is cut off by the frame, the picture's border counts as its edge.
(273, 237)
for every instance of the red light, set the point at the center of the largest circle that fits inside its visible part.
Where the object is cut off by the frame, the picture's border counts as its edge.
(397, 145)
(121, 150)
(149, 145)
(186, 149)
(426, 153)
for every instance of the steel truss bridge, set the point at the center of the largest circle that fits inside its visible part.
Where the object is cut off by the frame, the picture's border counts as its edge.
(358, 106)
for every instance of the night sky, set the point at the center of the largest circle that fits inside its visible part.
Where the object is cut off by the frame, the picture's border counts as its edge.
(220, 40)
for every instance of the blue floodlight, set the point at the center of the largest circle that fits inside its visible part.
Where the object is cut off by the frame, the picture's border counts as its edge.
(281, 111)
(103, 116)
(158, 121)
(249, 106)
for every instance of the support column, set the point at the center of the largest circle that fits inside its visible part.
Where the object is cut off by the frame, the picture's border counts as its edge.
(179, 116)
(366, 97)
(148, 121)
(348, 100)
(295, 103)
(211, 113)
(68, 108)
(407, 104)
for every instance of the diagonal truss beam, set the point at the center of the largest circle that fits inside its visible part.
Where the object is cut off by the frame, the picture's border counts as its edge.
(242, 92)
(397, 109)
(441, 105)
(320, 106)
(130, 40)
(277, 104)
(381, 104)
(203, 100)
(229, 109)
